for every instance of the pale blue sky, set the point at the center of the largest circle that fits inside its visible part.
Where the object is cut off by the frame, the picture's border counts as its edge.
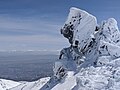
(35, 24)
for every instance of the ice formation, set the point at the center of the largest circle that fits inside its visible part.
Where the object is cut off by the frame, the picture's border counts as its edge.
(91, 62)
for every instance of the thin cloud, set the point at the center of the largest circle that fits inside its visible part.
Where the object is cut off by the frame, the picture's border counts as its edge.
(29, 25)
(29, 34)
(39, 42)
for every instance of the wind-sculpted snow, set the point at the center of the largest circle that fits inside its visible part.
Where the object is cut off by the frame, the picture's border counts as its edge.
(91, 62)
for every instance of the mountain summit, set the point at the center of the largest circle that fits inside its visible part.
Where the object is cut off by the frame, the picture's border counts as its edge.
(91, 62)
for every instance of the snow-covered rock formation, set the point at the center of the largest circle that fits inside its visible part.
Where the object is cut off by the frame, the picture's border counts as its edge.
(91, 62)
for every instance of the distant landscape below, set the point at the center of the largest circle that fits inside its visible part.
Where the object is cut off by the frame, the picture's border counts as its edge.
(26, 66)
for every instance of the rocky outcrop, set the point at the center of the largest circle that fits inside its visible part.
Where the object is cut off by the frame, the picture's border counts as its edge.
(93, 55)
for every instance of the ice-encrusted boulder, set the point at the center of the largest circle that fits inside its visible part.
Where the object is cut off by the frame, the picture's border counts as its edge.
(78, 29)
(79, 25)
(110, 32)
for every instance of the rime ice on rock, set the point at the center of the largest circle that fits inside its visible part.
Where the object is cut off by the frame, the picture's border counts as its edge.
(109, 39)
(99, 44)
(82, 26)
(78, 29)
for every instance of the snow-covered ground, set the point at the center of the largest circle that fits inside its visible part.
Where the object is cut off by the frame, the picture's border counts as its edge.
(92, 62)
(7, 84)
(23, 85)
(35, 85)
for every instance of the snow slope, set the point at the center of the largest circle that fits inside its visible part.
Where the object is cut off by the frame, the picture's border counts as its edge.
(67, 84)
(7, 84)
(12, 85)
(92, 62)
(35, 85)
